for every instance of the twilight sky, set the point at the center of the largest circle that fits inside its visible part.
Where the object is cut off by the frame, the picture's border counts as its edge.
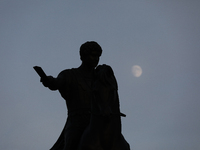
(162, 37)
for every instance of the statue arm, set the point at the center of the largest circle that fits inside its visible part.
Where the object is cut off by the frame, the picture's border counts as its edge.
(53, 83)
(49, 81)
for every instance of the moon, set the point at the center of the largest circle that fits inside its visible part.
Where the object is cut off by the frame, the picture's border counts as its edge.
(136, 70)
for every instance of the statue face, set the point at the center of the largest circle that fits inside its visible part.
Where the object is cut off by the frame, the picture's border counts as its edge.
(92, 59)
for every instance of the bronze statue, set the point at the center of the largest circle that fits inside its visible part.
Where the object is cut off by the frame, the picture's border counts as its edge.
(86, 98)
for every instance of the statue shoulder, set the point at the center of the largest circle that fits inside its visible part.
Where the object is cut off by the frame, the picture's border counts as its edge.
(105, 74)
(66, 75)
(103, 66)
(66, 72)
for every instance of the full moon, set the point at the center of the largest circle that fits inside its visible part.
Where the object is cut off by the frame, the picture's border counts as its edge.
(136, 70)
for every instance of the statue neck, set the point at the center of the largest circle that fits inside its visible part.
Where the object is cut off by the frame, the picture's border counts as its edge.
(87, 71)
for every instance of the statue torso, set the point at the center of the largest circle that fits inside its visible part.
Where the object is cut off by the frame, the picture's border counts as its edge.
(76, 90)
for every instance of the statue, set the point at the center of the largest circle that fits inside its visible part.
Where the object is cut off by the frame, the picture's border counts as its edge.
(92, 102)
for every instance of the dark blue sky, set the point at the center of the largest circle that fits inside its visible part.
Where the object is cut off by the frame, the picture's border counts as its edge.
(162, 105)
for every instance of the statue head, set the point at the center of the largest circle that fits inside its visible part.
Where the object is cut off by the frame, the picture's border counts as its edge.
(90, 53)
(90, 47)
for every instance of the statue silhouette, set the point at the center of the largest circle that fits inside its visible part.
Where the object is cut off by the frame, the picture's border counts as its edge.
(78, 87)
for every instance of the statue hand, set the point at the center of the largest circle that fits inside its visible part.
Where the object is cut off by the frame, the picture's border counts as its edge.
(46, 81)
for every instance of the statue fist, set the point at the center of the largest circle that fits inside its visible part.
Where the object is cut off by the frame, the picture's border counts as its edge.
(46, 81)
